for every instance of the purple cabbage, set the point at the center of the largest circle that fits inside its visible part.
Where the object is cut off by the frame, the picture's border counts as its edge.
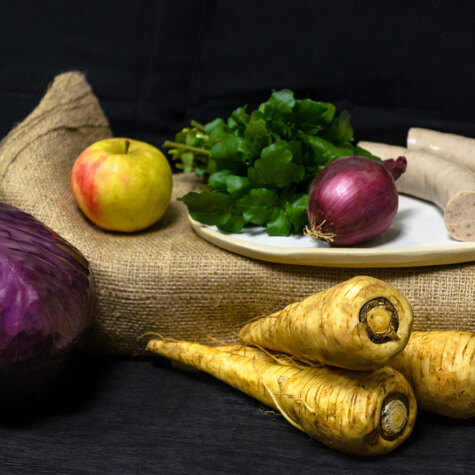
(47, 296)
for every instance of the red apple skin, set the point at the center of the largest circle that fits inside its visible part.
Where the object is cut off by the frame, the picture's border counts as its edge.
(122, 184)
(83, 180)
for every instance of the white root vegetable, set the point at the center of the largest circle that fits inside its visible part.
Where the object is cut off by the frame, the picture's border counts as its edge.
(363, 413)
(440, 366)
(456, 148)
(242, 350)
(447, 184)
(358, 324)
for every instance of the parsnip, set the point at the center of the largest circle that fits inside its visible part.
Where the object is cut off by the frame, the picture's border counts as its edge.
(447, 184)
(242, 350)
(358, 324)
(440, 366)
(456, 148)
(247, 351)
(363, 413)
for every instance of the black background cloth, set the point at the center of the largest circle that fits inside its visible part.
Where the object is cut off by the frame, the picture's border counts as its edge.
(155, 65)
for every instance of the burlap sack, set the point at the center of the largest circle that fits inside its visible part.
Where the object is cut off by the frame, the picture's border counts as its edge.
(167, 279)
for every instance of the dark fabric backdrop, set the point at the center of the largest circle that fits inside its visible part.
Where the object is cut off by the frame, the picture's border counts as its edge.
(154, 66)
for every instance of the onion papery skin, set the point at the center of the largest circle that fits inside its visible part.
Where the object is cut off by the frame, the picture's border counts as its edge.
(47, 298)
(352, 200)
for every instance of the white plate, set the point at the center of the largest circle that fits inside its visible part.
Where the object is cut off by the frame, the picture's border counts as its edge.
(417, 237)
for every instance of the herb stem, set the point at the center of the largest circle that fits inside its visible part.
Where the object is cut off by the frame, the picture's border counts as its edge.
(183, 146)
(198, 126)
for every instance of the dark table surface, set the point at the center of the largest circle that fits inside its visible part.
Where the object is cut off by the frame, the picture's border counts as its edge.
(116, 415)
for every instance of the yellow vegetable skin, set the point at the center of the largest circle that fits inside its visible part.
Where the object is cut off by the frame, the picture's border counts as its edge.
(363, 413)
(440, 366)
(247, 351)
(358, 324)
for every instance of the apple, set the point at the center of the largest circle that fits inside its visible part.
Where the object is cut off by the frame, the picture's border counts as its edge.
(122, 184)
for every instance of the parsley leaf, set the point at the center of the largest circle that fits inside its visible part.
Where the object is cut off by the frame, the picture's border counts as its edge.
(257, 206)
(208, 207)
(258, 165)
(275, 167)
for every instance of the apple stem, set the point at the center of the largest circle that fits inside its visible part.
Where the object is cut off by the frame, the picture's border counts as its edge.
(127, 144)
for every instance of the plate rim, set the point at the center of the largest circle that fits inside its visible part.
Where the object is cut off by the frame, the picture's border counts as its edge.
(331, 257)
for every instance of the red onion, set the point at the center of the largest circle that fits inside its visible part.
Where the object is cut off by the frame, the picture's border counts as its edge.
(353, 199)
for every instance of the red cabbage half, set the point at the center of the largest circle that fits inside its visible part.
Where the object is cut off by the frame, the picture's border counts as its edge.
(47, 296)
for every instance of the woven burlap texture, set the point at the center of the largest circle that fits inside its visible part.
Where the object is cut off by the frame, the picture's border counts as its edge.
(167, 279)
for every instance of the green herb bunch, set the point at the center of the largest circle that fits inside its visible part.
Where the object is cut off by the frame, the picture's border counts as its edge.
(258, 166)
